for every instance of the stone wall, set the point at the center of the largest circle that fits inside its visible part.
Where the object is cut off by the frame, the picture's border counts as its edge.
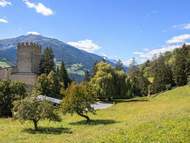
(27, 65)
(23, 59)
(28, 58)
(28, 79)
(5, 73)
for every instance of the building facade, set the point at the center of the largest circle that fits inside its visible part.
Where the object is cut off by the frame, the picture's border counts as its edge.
(27, 64)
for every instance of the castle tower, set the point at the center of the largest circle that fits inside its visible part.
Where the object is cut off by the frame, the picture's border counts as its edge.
(28, 58)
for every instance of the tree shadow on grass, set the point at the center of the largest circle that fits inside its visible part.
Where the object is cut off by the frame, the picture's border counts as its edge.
(48, 130)
(131, 100)
(94, 122)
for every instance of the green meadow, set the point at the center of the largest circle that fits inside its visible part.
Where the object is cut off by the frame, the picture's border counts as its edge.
(163, 118)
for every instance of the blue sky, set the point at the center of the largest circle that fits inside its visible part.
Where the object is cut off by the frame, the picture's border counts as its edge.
(119, 29)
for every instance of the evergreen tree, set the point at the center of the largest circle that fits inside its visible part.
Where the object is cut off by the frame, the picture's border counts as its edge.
(47, 61)
(87, 76)
(180, 67)
(119, 65)
(163, 77)
(94, 69)
(63, 75)
(139, 83)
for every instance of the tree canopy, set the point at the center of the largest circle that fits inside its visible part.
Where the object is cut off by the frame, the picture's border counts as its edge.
(33, 109)
(9, 92)
(78, 100)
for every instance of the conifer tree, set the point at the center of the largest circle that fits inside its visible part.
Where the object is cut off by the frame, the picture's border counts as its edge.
(87, 76)
(63, 75)
(119, 65)
(47, 61)
(163, 77)
(180, 67)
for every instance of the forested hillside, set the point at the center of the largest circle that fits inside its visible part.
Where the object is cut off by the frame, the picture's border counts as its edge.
(168, 70)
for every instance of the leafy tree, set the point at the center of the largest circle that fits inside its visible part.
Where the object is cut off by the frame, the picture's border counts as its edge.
(109, 82)
(62, 91)
(78, 100)
(47, 61)
(42, 85)
(139, 83)
(54, 85)
(119, 83)
(9, 92)
(48, 85)
(63, 75)
(102, 81)
(163, 77)
(130, 88)
(34, 110)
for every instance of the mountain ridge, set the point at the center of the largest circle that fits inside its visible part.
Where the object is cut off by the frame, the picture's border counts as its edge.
(70, 54)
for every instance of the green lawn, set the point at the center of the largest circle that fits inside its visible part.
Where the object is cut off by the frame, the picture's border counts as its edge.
(162, 119)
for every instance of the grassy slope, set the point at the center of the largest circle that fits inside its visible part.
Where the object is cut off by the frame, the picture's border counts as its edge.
(4, 64)
(164, 119)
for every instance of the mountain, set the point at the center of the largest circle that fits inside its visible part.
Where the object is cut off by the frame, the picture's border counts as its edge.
(71, 55)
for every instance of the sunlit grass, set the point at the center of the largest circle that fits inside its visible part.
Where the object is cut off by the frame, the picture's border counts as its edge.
(161, 119)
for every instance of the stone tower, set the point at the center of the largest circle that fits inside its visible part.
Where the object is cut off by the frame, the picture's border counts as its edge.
(28, 58)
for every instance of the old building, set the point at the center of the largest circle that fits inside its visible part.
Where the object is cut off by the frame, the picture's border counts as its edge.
(28, 58)
(27, 64)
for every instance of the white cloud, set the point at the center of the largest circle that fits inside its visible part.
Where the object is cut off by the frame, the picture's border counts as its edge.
(39, 7)
(137, 53)
(179, 39)
(86, 45)
(185, 26)
(171, 44)
(3, 20)
(33, 33)
(4, 3)
(128, 62)
(143, 56)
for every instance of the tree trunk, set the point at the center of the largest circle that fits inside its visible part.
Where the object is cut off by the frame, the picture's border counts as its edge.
(35, 125)
(85, 116)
